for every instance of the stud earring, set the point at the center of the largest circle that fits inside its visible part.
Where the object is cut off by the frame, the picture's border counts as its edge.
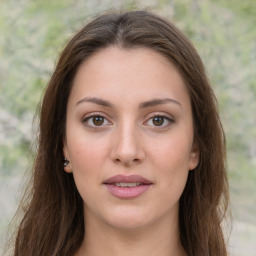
(66, 162)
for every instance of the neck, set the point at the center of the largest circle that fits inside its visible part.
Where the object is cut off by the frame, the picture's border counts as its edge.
(155, 239)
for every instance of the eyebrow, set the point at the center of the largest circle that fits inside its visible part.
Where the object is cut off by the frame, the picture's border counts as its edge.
(155, 102)
(97, 101)
(146, 104)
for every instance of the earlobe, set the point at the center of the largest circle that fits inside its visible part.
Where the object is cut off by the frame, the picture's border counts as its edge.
(66, 164)
(194, 157)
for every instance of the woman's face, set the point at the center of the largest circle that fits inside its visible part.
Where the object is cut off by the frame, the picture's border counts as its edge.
(129, 137)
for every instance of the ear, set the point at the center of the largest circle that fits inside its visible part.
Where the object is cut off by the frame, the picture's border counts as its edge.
(68, 167)
(194, 157)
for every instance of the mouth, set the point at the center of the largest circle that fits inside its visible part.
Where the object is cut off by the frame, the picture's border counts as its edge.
(127, 187)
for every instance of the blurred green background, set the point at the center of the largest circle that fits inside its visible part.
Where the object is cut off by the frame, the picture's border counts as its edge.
(33, 33)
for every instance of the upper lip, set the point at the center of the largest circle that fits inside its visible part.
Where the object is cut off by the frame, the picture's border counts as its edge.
(127, 179)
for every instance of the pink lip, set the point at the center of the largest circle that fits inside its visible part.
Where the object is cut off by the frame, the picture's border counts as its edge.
(127, 192)
(127, 179)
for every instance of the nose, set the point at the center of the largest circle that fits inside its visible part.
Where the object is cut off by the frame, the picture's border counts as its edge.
(127, 147)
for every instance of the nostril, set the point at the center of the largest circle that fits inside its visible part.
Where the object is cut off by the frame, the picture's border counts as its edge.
(127, 162)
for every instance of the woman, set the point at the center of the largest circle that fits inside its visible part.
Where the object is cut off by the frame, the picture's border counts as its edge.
(131, 157)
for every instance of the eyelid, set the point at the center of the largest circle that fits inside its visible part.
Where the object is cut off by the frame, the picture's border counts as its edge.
(93, 114)
(163, 114)
(168, 117)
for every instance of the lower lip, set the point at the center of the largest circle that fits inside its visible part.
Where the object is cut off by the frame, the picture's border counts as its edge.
(127, 192)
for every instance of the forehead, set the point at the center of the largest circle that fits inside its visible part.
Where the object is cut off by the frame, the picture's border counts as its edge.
(130, 74)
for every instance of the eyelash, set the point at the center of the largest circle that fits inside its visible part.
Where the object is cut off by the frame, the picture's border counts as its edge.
(91, 116)
(86, 120)
(166, 119)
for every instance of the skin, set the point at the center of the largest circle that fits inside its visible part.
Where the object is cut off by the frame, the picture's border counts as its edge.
(128, 142)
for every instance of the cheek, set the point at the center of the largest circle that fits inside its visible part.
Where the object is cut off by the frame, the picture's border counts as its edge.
(87, 162)
(87, 157)
(173, 154)
(171, 160)
(85, 149)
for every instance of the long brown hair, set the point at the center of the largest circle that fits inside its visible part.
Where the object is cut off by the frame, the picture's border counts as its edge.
(53, 221)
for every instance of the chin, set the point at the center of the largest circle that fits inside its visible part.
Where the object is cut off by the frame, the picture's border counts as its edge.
(128, 224)
(127, 219)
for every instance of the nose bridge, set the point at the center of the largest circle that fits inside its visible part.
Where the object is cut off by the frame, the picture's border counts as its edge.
(127, 143)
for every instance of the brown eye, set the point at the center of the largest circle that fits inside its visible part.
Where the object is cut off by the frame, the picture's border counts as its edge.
(158, 120)
(98, 120)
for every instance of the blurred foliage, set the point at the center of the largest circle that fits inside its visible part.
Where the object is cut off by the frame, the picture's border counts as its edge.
(33, 33)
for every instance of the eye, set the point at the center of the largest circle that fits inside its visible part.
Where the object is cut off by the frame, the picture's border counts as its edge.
(159, 121)
(95, 120)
